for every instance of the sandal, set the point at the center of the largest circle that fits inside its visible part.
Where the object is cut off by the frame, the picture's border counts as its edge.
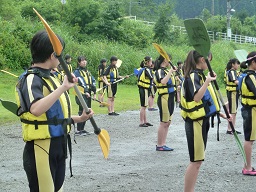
(143, 125)
(249, 172)
(231, 132)
(148, 124)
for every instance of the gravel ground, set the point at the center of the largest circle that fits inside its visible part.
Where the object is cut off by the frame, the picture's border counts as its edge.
(133, 163)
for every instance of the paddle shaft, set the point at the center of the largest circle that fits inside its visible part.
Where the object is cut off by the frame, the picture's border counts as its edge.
(220, 95)
(115, 82)
(97, 130)
(9, 73)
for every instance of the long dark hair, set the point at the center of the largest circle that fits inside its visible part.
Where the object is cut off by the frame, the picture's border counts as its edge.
(145, 60)
(160, 60)
(230, 62)
(250, 57)
(191, 61)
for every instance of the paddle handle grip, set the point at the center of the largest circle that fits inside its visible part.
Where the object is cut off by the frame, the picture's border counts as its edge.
(175, 69)
(97, 130)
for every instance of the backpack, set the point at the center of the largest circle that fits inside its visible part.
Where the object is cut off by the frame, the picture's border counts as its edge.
(240, 80)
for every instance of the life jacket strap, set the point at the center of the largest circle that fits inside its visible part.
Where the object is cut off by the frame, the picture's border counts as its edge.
(193, 109)
(54, 121)
(248, 97)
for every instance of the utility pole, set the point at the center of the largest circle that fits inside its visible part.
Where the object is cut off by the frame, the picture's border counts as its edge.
(212, 7)
(130, 9)
(228, 19)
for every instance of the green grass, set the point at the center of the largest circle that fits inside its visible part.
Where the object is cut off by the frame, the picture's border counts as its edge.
(127, 98)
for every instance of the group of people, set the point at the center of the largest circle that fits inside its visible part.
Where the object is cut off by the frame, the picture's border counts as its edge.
(198, 102)
(243, 84)
(45, 108)
(107, 76)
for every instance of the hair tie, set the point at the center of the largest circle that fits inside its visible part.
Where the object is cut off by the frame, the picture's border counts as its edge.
(250, 58)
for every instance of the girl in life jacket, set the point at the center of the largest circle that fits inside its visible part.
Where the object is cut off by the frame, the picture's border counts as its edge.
(232, 91)
(145, 82)
(248, 111)
(198, 103)
(165, 83)
(45, 113)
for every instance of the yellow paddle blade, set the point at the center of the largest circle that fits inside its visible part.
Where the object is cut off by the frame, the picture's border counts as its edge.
(104, 141)
(9, 73)
(161, 51)
(104, 103)
(118, 63)
(57, 46)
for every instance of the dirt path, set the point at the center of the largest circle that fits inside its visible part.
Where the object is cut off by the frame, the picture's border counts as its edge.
(133, 163)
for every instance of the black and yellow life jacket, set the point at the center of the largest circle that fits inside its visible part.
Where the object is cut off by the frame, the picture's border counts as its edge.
(167, 88)
(143, 80)
(247, 97)
(55, 121)
(59, 74)
(101, 69)
(230, 85)
(112, 75)
(70, 68)
(206, 107)
(87, 78)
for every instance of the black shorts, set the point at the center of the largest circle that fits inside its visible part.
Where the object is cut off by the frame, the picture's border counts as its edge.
(44, 162)
(197, 133)
(144, 93)
(111, 90)
(249, 125)
(165, 104)
(101, 85)
(232, 101)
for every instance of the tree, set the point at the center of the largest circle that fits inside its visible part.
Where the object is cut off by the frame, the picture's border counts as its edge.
(108, 23)
(163, 25)
(82, 13)
(205, 15)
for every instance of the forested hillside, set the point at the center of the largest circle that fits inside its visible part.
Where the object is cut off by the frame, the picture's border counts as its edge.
(98, 29)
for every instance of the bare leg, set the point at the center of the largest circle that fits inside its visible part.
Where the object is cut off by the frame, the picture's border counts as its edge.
(111, 104)
(248, 154)
(100, 97)
(233, 121)
(162, 133)
(143, 115)
(150, 101)
(191, 176)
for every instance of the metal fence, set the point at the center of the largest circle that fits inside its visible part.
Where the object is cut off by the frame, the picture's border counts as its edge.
(213, 35)
(221, 36)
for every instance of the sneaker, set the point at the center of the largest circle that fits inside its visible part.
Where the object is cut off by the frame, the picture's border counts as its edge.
(249, 172)
(114, 113)
(163, 148)
(87, 133)
(80, 133)
(77, 133)
(152, 109)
